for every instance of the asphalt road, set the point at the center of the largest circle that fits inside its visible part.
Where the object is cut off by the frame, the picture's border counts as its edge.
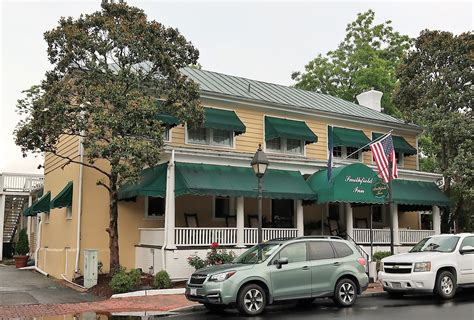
(407, 308)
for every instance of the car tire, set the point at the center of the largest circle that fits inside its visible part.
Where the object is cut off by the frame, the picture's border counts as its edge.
(446, 285)
(345, 293)
(214, 307)
(251, 300)
(395, 294)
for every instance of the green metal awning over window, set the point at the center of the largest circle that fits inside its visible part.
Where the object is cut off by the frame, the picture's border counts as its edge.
(352, 183)
(418, 193)
(399, 143)
(152, 183)
(224, 120)
(205, 179)
(349, 138)
(64, 198)
(290, 129)
(40, 205)
(168, 120)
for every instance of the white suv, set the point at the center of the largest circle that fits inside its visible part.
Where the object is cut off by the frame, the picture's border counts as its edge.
(436, 264)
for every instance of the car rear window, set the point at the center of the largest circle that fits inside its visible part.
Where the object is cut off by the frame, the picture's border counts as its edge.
(319, 250)
(342, 249)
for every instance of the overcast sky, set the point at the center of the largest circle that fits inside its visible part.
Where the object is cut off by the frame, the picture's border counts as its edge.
(263, 40)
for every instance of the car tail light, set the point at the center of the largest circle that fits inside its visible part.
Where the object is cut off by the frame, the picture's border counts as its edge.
(362, 261)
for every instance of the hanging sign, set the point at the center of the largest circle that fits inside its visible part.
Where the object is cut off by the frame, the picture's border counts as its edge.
(379, 189)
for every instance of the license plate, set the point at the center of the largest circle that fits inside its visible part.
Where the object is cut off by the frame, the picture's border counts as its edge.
(396, 285)
(193, 291)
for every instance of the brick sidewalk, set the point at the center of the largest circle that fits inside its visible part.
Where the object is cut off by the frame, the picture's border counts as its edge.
(148, 303)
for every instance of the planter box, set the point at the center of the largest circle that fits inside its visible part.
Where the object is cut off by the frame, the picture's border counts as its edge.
(20, 261)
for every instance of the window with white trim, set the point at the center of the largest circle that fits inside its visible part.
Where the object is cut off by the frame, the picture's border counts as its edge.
(400, 159)
(46, 217)
(166, 133)
(68, 213)
(342, 152)
(209, 136)
(224, 207)
(154, 207)
(285, 145)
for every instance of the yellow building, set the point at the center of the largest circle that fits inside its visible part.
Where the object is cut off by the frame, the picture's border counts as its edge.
(203, 189)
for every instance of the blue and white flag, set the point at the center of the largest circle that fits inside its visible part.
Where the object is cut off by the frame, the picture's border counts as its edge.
(330, 147)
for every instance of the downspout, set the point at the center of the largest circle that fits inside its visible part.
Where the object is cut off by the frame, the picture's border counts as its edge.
(79, 207)
(165, 237)
(38, 245)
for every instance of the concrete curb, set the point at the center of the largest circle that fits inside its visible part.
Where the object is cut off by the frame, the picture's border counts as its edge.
(373, 294)
(143, 293)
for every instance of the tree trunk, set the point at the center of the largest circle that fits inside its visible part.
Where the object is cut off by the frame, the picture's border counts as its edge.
(113, 225)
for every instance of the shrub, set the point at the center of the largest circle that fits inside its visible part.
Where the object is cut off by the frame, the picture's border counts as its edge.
(121, 282)
(379, 255)
(135, 275)
(215, 256)
(22, 247)
(162, 280)
(196, 262)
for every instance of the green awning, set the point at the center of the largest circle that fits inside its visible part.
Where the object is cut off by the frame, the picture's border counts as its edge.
(168, 120)
(206, 179)
(290, 129)
(40, 205)
(64, 198)
(223, 119)
(352, 183)
(418, 193)
(152, 183)
(399, 143)
(349, 138)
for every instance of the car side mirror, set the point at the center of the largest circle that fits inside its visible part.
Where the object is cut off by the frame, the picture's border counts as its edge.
(280, 262)
(466, 249)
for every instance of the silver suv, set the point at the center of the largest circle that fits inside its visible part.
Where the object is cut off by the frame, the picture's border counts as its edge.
(282, 269)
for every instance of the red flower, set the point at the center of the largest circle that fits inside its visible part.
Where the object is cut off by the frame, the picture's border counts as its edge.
(214, 245)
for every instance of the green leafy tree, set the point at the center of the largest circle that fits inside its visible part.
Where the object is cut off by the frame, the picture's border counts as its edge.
(436, 91)
(366, 59)
(109, 69)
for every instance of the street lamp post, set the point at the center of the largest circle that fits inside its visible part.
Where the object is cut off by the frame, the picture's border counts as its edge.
(259, 165)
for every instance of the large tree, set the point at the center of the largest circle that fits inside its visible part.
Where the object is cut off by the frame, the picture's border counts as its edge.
(109, 68)
(436, 90)
(366, 59)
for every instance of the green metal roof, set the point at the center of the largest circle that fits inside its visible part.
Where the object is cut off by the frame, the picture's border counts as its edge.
(238, 87)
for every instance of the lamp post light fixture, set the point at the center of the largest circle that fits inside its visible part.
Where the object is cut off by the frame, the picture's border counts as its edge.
(259, 165)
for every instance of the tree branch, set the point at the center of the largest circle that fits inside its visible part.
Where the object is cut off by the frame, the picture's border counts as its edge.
(71, 160)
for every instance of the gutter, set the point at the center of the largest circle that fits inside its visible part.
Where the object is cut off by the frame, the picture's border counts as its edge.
(79, 207)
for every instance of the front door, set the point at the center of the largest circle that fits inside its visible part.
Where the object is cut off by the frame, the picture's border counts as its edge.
(292, 280)
(466, 262)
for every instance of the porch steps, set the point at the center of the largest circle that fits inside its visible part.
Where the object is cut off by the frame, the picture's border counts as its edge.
(14, 206)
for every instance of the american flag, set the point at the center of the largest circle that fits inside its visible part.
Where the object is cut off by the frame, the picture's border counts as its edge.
(383, 152)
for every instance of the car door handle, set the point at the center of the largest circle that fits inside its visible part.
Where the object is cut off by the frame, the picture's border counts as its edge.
(305, 268)
(336, 263)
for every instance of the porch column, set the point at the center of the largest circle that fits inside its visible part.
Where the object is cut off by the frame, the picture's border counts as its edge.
(239, 221)
(28, 224)
(299, 218)
(170, 216)
(436, 220)
(349, 220)
(394, 216)
(2, 217)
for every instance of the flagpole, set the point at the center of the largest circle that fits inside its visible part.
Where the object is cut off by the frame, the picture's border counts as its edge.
(368, 144)
(390, 200)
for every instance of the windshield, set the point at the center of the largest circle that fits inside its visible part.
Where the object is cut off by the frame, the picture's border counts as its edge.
(257, 254)
(438, 244)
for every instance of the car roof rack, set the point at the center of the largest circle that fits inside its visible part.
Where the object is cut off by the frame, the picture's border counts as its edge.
(282, 239)
(321, 237)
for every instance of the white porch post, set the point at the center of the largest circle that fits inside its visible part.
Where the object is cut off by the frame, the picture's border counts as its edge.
(299, 218)
(28, 222)
(239, 221)
(2, 217)
(394, 215)
(170, 215)
(436, 220)
(349, 220)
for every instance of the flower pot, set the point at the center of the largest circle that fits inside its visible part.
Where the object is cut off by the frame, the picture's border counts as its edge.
(20, 261)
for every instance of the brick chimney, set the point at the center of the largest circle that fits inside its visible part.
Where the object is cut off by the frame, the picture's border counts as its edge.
(371, 99)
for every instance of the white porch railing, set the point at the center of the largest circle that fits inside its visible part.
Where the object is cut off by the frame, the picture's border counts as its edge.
(414, 236)
(382, 236)
(20, 182)
(250, 234)
(205, 236)
(152, 236)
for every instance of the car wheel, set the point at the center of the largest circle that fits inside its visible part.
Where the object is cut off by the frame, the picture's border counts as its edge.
(251, 300)
(395, 294)
(446, 285)
(214, 307)
(345, 293)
